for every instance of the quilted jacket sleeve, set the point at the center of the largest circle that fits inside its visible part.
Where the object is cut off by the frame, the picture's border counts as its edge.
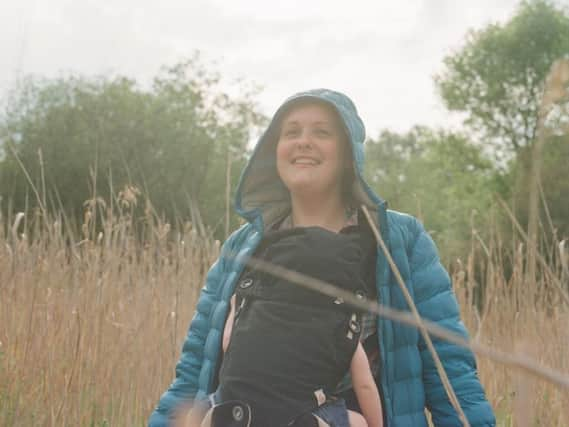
(436, 301)
(188, 368)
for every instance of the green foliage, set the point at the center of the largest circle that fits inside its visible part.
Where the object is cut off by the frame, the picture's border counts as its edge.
(497, 77)
(554, 187)
(439, 176)
(78, 138)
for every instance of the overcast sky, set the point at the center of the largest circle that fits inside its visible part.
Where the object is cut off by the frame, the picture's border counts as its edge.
(382, 54)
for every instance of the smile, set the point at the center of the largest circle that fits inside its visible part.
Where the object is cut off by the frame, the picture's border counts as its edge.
(308, 161)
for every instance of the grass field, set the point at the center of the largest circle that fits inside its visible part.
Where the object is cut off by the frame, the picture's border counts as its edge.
(90, 329)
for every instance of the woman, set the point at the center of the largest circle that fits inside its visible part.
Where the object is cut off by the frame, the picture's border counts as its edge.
(307, 170)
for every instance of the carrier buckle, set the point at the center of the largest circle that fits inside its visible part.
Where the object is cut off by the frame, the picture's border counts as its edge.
(245, 283)
(233, 413)
(354, 326)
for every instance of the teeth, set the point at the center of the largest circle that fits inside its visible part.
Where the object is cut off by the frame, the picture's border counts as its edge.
(305, 161)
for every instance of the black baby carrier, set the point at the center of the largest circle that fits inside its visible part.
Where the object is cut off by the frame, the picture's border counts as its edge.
(291, 346)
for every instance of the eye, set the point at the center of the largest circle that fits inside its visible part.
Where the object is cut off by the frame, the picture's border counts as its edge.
(322, 132)
(290, 132)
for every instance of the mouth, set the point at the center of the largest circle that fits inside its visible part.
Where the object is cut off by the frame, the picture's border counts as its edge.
(305, 161)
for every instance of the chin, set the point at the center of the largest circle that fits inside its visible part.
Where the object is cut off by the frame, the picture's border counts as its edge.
(306, 189)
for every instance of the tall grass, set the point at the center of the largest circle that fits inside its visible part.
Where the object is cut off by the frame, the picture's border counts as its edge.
(91, 327)
(521, 316)
(90, 330)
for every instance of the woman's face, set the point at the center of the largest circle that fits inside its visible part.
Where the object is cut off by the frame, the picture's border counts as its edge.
(310, 151)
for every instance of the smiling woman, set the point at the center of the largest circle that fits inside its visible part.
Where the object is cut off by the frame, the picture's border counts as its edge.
(312, 164)
(262, 352)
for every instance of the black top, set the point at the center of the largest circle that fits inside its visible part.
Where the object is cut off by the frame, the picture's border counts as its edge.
(288, 342)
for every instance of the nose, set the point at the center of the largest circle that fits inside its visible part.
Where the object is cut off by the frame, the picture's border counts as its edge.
(304, 142)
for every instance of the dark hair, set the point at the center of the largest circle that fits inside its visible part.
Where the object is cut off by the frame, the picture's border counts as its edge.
(348, 175)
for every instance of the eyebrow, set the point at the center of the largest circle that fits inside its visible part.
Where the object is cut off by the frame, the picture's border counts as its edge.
(320, 122)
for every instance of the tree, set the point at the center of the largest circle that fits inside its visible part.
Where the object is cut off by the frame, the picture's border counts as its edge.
(81, 137)
(389, 166)
(440, 176)
(497, 77)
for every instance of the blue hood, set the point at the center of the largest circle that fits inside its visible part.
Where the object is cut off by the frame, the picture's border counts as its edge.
(262, 196)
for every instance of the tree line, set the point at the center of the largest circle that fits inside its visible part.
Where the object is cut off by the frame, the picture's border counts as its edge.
(180, 141)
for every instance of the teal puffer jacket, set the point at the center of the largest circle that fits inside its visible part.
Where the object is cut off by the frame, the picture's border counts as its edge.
(408, 378)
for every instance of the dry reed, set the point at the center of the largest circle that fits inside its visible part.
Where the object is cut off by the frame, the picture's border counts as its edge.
(90, 329)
